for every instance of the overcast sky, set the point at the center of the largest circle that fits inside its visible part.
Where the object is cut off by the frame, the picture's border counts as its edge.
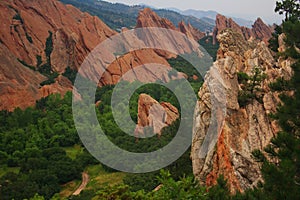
(249, 9)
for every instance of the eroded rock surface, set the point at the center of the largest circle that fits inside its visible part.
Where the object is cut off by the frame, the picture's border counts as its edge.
(244, 129)
(27, 25)
(259, 29)
(154, 115)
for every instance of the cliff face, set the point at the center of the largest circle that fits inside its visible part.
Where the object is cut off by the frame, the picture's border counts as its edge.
(259, 30)
(244, 129)
(17, 83)
(20, 86)
(148, 18)
(27, 25)
(154, 114)
(190, 31)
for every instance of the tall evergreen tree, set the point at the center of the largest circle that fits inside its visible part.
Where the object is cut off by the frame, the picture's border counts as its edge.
(282, 174)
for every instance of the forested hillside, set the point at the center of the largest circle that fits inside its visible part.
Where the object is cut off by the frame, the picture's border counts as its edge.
(118, 15)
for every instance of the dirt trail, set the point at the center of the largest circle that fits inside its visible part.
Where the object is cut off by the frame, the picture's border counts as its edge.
(85, 180)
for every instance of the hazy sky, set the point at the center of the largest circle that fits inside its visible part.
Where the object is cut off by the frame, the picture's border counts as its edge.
(249, 9)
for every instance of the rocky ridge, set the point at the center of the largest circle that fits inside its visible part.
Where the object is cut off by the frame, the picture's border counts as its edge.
(259, 29)
(245, 127)
(148, 18)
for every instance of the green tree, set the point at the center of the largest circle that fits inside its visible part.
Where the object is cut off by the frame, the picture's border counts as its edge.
(281, 170)
(251, 86)
(290, 8)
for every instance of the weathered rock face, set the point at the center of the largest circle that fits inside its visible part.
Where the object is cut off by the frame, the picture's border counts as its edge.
(20, 86)
(25, 27)
(190, 31)
(262, 31)
(244, 129)
(148, 18)
(154, 115)
(259, 30)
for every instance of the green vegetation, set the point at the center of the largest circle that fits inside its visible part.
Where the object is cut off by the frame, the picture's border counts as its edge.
(49, 47)
(101, 178)
(207, 44)
(50, 80)
(34, 153)
(251, 86)
(70, 74)
(273, 42)
(125, 141)
(43, 140)
(41, 156)
(282, 178)
(73, 152)
(18, 17)
(38, 61)
(26, 65)
(194, 77)
(29, 38)
(46, 69)
(119, 15)
(168, 188)
(280, 85)
(181, 65)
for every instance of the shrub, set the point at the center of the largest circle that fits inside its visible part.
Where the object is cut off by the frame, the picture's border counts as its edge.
(29, 38)
(251, 86)
(280, 85)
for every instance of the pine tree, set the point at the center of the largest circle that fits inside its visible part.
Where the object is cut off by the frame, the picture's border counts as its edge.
(282, 174)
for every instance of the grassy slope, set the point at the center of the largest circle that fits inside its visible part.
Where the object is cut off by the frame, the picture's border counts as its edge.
(98, 176)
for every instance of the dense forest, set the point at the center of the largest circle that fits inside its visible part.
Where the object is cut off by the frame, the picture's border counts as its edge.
(41, 151)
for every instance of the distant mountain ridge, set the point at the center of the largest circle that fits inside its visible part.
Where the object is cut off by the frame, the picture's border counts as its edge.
(117, 15)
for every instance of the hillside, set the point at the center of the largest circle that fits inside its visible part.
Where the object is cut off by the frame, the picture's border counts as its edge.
(46, 42)
(120, 15)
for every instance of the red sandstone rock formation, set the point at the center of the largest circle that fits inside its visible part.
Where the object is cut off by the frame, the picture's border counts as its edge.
(24, 29)
(148, 18)
(154, 114)
(259, 30)
(244, 129)
(190, 31)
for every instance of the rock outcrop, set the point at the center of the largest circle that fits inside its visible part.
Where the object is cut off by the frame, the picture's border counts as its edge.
(148, 18)
(72, 35)
(190, 31)
(26, 26)
(244, 128)
(20, 86)
(154, 115)
(259, 29)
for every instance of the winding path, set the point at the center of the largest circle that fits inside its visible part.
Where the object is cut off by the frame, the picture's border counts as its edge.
(85, 180)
